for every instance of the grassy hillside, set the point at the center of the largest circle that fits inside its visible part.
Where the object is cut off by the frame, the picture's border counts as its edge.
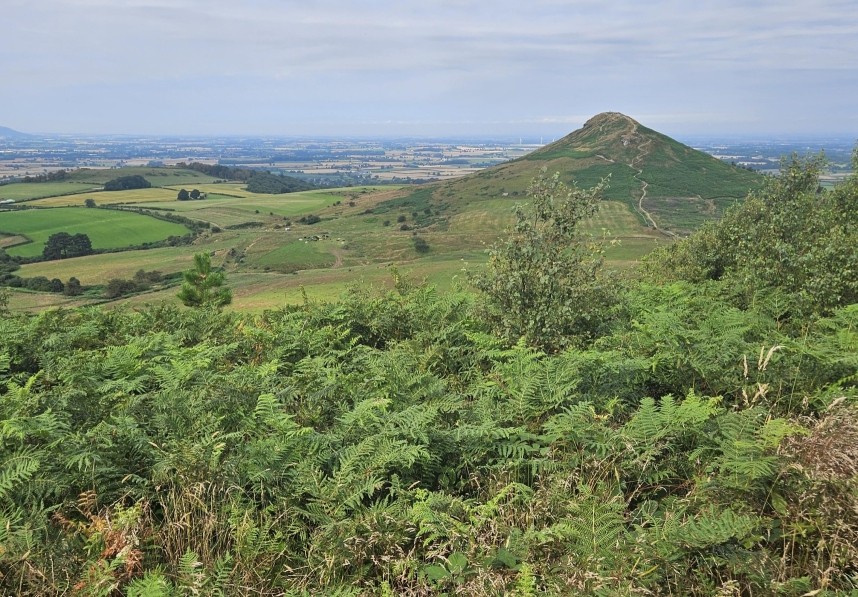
(159, 177)
(670, 185)
(362, 238)
(24, 191)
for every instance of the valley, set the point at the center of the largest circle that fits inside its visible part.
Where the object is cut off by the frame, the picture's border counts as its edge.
(656, 189)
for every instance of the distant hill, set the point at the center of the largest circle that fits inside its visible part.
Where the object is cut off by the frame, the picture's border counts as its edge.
(670, 185)
(7, 133)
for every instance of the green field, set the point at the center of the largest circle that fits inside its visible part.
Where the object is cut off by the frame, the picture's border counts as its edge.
(154, 194)
(158, 177)
(90, 181)
(294, 256)
(106, 229)
(96, 269)
(25, 191)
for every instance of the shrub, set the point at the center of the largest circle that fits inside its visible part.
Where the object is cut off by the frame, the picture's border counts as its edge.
(544, 282)
(118, 287)
(420, 244)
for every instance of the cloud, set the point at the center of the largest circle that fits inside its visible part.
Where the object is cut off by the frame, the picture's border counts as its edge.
(501, 61)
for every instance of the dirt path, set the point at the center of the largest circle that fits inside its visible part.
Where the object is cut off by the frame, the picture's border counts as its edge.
(253, 242)
(338, 258)
(642, 151)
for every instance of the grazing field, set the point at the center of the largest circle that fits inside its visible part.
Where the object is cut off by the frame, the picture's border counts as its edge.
(25, 191)
(362, 231)
(97, 269)
(292, 256)
(257, 291)
(12, 240)
(28, 300)
(152, 195)
(158, 177)
(106, 229)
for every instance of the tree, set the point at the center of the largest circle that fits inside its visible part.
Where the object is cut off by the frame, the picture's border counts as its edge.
(792, 237)
(203, 286)
(195, 194)
(544, 282)
(265, 182)
(73, 287)
(183, 195)
(90, 202)
(62, 245)
(124, 183)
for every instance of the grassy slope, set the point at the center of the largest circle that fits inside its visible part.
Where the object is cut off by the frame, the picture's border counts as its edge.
(159, 177)
(685, 187)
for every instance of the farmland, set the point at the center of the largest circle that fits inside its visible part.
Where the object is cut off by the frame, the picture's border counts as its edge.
(107, 229)
(273, 245)
(261, 241)
(35, 190)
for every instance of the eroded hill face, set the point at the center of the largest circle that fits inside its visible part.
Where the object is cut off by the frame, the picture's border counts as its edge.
(671, 186)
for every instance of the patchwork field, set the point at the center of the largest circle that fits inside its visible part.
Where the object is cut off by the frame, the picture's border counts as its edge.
(106, 229)
(268, 254)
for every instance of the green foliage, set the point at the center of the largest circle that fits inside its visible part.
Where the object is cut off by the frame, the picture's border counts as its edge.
(203, 286)
(265, 182)
(117, 287)
(390, 443)
(792, 237)
(62, 245)
(124, 183)
(544, 281)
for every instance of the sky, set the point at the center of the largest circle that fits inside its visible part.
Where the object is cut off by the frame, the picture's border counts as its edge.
(430, 68)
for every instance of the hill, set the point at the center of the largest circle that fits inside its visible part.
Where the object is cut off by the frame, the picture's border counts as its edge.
(671, 186)
(7, 133)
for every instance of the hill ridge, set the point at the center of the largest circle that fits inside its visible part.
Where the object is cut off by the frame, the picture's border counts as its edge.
(6, 132)
(672, 187)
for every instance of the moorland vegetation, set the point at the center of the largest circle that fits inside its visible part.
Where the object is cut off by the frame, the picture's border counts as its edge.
(693, 432)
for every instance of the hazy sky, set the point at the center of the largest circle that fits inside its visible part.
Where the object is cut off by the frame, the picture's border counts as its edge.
(428, 68)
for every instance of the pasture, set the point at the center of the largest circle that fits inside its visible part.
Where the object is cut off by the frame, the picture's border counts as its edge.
(107, 229)
(26, 191)
(152, 195)
(158, 177)
(97, 269)
(28, 300)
